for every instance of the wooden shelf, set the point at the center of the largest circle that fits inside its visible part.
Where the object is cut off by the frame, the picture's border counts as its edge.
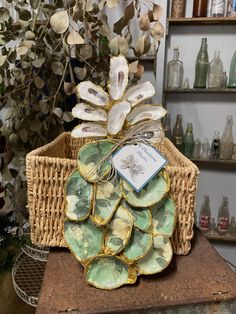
(203, 21)
(201, 90)
(142, 58)
(215, 162)
(217, 237)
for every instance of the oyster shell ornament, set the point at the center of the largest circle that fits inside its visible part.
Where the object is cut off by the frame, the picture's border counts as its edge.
(115, 232)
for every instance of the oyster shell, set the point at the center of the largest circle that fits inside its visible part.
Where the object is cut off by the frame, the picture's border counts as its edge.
(109, 272)
(92, 93)
(84, 239)
(87, 113)
(138, 93)
(117, 116)
(154, 191)
(119, 231)
(118, 77)
(89, 129)
(139, 245)
(89, 157)
(158, 258)
(79, 196)
(107, 198)
(164, 217)
(145, 112)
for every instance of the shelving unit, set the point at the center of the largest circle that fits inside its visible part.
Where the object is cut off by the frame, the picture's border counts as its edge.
(203, 21)
(201, 90)
(215, 162)
(217, 237)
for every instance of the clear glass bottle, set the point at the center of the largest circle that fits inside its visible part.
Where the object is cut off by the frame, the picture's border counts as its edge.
(215, 146)
(167, 127)
(188, 141)
(209, 7)
(178, 133)
(216, 71)
(232, 226)
(175, 71)
(223, 217)
(232, 73)
(199, 8)
(231, 8)
(178, 8)
(205, 215)
(201, 66)
(205, 150)
(218, 8)
(197, 149)
(226, 141)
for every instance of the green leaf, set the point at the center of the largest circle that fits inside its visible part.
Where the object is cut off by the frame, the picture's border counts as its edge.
(60, 22)
(34, 4)
(4, 15)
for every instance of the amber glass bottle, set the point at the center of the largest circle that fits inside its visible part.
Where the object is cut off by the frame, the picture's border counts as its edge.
(200, 8)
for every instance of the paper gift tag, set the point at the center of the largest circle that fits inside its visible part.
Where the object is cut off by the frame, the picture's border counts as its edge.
(138, 164)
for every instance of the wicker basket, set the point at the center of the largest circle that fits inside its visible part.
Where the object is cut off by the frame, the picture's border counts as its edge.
(48, 168)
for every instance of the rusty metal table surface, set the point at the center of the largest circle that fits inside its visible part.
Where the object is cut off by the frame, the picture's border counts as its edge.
(201, 277)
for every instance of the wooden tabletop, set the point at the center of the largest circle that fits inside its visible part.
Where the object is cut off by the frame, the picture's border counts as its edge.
(198, 278)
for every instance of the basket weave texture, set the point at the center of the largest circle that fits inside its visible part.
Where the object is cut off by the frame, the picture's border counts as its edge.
(48, 167)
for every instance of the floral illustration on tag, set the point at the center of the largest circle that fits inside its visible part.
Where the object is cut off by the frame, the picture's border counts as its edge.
(132, 165)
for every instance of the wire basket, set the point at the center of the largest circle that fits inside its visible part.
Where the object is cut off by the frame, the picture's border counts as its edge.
(35, 252)
(27, 277)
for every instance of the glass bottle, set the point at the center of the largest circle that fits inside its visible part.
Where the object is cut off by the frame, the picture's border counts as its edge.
(231, 9)
(205, 149)
(215, 146)
(224, 80)
(175, 71)
(209, 7)
(216, 71)
(178, 133)
(232, 73)
(201, 66)
(218, 8)
(197, 149)
(178, 8)
(188, 141)
(232, 226)
(226, 141)
(199, 8)
(205, 215)
(166, 126)
(223, 217)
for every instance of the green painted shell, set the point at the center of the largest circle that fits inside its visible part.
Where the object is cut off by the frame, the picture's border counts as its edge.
(119, 231)
(84, 239)
(139, 245)
(109, 272)
(89, 157)
(158, 258)
(79, 196)
(163, 217)
(107, 198)
(152, 193)
(141, 216)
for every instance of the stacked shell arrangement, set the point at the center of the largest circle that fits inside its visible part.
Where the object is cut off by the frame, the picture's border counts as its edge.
(115, 232)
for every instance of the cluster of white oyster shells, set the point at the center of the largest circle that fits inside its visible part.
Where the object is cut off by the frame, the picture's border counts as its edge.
(109, 114)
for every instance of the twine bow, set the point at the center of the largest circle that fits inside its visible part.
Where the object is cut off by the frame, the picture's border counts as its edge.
(140, 133)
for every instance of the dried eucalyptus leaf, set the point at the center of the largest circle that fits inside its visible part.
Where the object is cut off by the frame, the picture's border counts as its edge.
(21, 51)
(112, 3)
(38, 62)
(47, 9)
(57, 67)
(133, 67)
(142, 46)
(17, 73)
(124, 20)
(39, 82)
(86, 51)
(114, 46)
(157, 31)
(69, 88)
(80, 73)
(24, 15)
(123, 46)
(140, 71)
(67, 116)
(58, 112)
(34, 4)
(128, 37)
(4, 15)
(28, 43)
(6, 174)
(29, 35)
(59, 22)
(157, 11)
(36, 125)
(12, 56)
(24, 135)
(2, 60)
(3, 40)
(74, 38)
(144, 22)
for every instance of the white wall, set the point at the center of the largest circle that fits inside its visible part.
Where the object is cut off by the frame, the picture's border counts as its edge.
(207, 112)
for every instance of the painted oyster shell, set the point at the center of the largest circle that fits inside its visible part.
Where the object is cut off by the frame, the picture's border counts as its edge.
(88, 113)
(158, 258)
(107, 198)
(164, 217)
(139, 245)
(137, 94)
(89, 129)
(145, 112)
(79, 196)
(141, 216)
(89, 157)
(118, 77)
(109, 272)
(152, 193)
(118, 231)
(93, 94)
(84, 239)
(117, 116)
